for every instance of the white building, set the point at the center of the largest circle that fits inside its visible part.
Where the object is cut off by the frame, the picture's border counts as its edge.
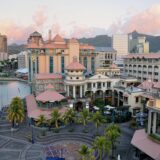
(3, 56)
(143, 66)
(23, 59)
(120, 44)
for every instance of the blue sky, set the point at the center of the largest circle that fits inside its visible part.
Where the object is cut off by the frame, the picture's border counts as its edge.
(74, 17)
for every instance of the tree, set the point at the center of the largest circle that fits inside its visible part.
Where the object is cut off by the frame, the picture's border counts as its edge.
(97, 118)
(55, 117)
(102, 146)
(84, 152)
(41, 121)
(15, 113)
(69, 116)
(84, 115)
(112, 133)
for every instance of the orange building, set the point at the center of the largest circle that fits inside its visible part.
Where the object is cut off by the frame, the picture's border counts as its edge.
(53, 55)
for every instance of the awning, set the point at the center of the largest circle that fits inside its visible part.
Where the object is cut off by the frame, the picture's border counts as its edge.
(22, 70)
(141, 141)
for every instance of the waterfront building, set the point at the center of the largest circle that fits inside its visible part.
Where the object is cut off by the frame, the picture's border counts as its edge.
(120, 44)
(143, 66)
(53, 55)
(22, 59)
(139, 45)
(42, 82)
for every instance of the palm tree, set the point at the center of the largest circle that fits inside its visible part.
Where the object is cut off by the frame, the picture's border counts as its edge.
(102, 146)
(84, 115)
(112, 133)
(55, 117)
(15, 113)
(84, 152)
(69, 116)
(97, 118)
(41, 121)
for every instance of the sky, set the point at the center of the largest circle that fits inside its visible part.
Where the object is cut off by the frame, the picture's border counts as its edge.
(77, 18)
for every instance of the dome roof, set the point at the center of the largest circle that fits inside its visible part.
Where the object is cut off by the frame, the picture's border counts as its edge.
(58, 38)
(75, 65)
(113, 66)
(35, 34)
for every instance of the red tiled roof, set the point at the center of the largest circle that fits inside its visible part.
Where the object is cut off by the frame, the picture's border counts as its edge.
(34, 111)
(147, 55)
(49, 96)
(48, 76)
(58, 38)
(148, 84)
(157, 85)
(50, 86)
(86, 46)
(52, 45)
(141, 141)
(75, 66)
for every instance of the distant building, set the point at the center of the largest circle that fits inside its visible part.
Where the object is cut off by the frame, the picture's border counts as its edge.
(143, 66)
(3, 48)
(139, 45)
(53, 55)
(22, 59)
(120, 44)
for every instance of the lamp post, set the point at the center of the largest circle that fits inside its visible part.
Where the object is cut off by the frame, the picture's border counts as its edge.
(32, 135)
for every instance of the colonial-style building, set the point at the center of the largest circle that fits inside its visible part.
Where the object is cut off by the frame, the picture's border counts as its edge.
(143, 66)
(53, 55)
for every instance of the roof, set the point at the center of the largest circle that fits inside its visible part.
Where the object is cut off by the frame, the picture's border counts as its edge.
(35, 34)
(98, 76)
(58, 38)
(104, 49)
(113, 66)
(157, 85)
(148, 55)
(133, 89)
(86, 46)
(148, 84)
(48, 76)
(75, 65)
(22, 70)
(50, 86)
(49, 96)
(34, 111)
(141, 141)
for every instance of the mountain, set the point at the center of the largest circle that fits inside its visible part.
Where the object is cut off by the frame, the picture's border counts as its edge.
(100, 41)
(15, 48)
(154, 41)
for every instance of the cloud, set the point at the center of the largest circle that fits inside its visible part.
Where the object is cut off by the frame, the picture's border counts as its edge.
(15, 32)
(147, 21)
(40, 17)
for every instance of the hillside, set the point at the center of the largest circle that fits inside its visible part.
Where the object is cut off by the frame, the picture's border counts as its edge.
(100, 41)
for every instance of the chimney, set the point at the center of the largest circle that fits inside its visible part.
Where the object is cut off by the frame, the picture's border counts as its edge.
(49, 35)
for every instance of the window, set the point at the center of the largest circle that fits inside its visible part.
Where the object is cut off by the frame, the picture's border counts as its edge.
(62, 64)
(92, 64)
(103, 84)
(71, 77)
(51, 64)
(94, 84)
(34, 69)
(77, 77)
(37, 65)
(137, 99)
(85, 62)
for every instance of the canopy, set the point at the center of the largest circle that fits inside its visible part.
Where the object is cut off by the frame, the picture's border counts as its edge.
(49, 96)
(22, 70)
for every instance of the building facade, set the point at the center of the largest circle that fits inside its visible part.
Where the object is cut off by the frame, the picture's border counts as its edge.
(3, 48)
(139, 45)
(120, 44)
(22, 60)
(53, 55)
(143, 66)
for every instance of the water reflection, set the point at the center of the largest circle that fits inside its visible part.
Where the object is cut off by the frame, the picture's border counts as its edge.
(8, 90)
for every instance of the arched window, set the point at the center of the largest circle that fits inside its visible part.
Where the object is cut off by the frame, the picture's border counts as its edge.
(93, 64)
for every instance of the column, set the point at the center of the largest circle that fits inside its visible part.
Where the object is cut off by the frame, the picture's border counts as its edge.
(81, 92)
(149, 121)
(67, 90)
(154, 122)
(74, 91)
